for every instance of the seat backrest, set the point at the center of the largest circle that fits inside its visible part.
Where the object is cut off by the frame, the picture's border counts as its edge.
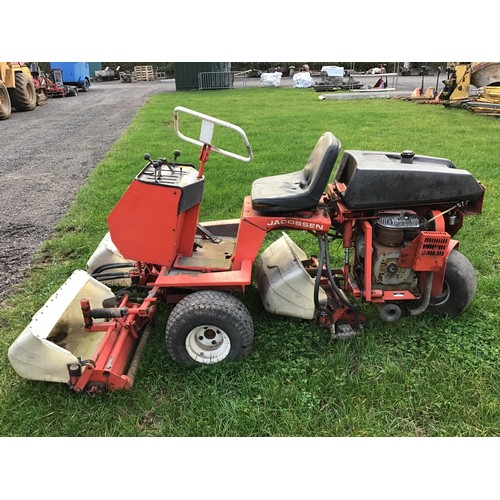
(320, 164)
(300, 190)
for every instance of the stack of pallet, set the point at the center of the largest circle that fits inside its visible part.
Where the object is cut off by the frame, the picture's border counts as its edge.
(144, 73)
(488, 102)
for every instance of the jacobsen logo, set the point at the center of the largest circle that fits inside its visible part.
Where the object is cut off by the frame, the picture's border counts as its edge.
(296, 223)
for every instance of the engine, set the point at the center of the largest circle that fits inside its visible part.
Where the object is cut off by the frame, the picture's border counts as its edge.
(392, 232)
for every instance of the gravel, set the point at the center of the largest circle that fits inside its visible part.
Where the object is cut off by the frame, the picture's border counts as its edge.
(46, 156)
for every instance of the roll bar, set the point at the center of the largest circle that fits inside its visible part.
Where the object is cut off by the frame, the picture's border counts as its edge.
(206, 133)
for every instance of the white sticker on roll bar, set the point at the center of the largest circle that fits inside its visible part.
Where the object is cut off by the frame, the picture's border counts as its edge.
(206, 132)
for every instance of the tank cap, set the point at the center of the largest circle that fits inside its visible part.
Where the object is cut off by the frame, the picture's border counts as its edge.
(407, 156)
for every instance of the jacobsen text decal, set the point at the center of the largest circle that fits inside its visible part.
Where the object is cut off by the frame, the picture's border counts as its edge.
(296, 223)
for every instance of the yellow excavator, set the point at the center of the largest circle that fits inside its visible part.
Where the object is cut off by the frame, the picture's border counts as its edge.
(485, 76)
(456, 92)
(17, 89)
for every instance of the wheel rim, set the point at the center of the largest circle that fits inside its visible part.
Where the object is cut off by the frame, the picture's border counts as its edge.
(442, 298)
(207, 344)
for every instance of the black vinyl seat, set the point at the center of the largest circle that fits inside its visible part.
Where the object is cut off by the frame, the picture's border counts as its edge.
(300, 190)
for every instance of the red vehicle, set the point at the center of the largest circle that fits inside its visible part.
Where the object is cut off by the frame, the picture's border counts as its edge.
(55, 86)
(394, 214)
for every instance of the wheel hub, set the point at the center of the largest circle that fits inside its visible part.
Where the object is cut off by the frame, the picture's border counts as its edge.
(208, 344)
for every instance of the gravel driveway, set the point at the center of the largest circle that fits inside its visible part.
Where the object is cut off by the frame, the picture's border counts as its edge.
(46, 156)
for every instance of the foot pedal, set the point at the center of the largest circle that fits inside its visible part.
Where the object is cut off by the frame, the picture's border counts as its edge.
(343, 331)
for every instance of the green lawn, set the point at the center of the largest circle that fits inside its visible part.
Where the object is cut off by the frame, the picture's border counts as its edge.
(422, 376)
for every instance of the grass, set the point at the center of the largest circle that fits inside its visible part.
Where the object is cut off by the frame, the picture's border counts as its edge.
(422, 376)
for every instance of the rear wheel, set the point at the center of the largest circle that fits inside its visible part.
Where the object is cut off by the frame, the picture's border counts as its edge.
(459, 286)
(23, 96)
(5, 105)
(85, 85)
(208, 327)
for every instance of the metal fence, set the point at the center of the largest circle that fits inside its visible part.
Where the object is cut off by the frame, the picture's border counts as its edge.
(210, 80)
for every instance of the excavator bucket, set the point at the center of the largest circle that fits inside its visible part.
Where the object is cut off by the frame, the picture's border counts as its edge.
(56, 338)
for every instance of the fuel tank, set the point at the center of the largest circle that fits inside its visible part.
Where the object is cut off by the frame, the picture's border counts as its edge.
(373, 179)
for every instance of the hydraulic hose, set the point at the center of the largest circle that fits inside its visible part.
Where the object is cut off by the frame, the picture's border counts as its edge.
(319, 272)
(338, 291)
(317, 282)
(108, 277)
(106, 267)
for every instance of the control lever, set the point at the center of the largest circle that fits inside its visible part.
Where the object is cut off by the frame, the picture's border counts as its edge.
(156, 164)
(177, 153)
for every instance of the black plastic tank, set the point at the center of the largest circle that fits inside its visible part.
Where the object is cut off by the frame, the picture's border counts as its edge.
(373, 179)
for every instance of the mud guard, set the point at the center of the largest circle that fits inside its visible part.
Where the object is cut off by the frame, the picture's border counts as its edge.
(284, 285)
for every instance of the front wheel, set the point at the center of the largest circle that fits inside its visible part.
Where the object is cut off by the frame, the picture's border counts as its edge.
(23, 95)
(459, 286)
(208, 327)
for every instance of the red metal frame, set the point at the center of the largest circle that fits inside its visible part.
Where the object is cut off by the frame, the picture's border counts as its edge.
(108, 365)
(148, 227)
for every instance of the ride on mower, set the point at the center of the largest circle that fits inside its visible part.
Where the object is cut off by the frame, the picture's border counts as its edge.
(394, 215)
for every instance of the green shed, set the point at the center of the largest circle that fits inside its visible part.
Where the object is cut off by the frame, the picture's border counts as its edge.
(93, 66)
(187, 73)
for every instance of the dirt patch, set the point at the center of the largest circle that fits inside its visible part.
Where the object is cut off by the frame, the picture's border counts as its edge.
(46, 156)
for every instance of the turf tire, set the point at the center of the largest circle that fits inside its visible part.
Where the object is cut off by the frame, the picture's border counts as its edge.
(220, 314)
(459, 287)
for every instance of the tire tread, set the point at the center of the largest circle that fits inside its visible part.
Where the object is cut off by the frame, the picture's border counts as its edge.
(215, 305)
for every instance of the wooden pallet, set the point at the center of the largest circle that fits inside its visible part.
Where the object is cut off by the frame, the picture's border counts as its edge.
(144, 73)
